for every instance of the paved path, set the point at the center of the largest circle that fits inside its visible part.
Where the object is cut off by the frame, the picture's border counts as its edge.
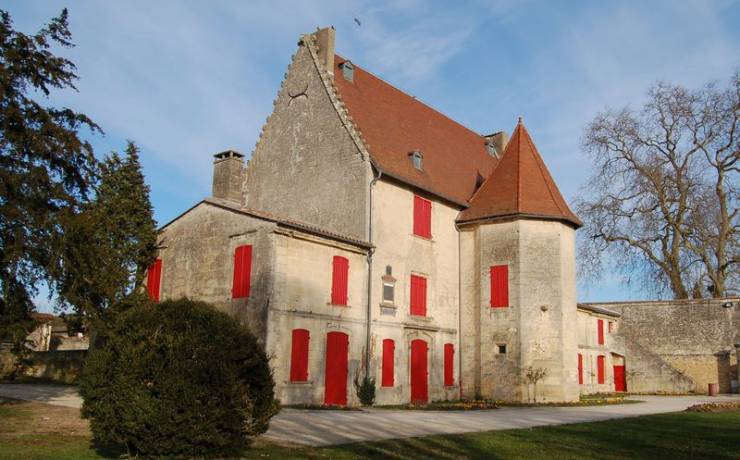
(326, 427)
(57, 395)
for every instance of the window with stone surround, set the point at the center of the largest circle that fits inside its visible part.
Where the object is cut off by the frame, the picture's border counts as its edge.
(418, 295)
(422, 217)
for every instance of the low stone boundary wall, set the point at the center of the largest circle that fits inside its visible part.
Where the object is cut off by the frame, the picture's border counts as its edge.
(55, 366)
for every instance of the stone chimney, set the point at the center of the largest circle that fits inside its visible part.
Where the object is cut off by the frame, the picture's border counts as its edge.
(496, 143)
(228, 175)
(325, 43)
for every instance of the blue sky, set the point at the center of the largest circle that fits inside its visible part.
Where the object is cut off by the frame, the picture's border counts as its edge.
(187, 79)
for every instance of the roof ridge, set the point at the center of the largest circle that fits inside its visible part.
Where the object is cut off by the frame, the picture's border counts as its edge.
(416, 99)
(518, 164)
(545, 174)
(336, 101)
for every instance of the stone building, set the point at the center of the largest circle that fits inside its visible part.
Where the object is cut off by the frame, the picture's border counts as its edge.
(673, 347)
(369, 234)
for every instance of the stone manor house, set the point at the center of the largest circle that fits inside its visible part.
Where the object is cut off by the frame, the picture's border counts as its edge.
(369, 233)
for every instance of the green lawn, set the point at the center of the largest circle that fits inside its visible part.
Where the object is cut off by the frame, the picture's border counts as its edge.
(676, 435)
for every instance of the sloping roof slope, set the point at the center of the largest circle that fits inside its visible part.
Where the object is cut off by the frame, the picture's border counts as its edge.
(520, 186)
(394, 124)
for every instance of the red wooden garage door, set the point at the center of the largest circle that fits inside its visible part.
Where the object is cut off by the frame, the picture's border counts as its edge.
(620, 380)
(419, 372)
(335, 378)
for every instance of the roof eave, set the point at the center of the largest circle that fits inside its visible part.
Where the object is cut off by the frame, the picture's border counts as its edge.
(420, 187)
(576, 224)
(599, 310)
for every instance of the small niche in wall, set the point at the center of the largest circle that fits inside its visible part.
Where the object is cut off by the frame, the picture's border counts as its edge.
(501, 348)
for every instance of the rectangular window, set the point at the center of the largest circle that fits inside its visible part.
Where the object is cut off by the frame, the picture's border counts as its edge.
(600, 369)
(299, 356)
(611, 326)
(339, 280)
(389, 349)
(154, 279)
(422, 217)
(388, 293)
(242, 272)
(580, 369)
(449, 364)
(418, 295)
(502, 348)
(600, 326)
(499, 286)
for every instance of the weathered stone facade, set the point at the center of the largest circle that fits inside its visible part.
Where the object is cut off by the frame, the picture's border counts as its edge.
(305, 151)
(679, 346)
(314, 191)
(535, 328)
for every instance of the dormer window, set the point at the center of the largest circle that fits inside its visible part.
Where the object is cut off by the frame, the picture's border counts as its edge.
(416, 159)
(348, 70)
(492, 150)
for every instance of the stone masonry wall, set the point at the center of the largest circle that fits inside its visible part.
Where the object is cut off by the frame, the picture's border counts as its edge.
(305, 166)
(301, 299)
(679, 346)
(436, 259)
(536, 328)
(197, 252)
(589, 348)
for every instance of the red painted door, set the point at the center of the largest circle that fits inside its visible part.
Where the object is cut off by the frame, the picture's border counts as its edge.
(620, 380)
(335, 377)
(419, 372)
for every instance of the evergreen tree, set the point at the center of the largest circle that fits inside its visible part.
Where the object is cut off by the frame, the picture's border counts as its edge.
(111, 242)
(45, 167)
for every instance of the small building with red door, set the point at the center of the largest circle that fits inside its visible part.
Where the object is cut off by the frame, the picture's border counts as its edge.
(601, 355)
(369, 234)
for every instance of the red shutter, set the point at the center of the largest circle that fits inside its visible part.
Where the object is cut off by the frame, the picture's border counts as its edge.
(500, 286)
(600, 368)
(339, 279)
(418, 295)
(449, 363)
(601, 331)
(422, 217)
(389, 350)
(580, 369)
(242, 272)
(299, 356)
(153, 279)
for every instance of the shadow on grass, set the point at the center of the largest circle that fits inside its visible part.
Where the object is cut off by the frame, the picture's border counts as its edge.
(680, 435)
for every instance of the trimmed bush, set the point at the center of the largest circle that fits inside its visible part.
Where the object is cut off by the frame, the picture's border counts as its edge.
(365, 389)
(177, 379)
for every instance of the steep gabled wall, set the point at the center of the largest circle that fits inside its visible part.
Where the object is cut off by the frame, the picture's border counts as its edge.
(306, 166)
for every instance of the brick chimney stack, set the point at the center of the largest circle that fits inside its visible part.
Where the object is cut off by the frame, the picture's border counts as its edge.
(228, 175)
(325, 39)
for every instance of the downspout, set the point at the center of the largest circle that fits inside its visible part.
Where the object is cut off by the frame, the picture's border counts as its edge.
(459, 314)
(370, 252)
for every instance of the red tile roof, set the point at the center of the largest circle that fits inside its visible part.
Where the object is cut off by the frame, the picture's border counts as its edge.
(395, 124)
(519, 186)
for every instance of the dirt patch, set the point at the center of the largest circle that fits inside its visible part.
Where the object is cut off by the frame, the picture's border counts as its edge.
(715, 407)
(19, 418)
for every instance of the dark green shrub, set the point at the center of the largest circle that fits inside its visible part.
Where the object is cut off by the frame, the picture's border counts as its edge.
(365, 389)
(177, 379)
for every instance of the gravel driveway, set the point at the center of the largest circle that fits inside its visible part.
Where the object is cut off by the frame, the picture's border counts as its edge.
(326, 427)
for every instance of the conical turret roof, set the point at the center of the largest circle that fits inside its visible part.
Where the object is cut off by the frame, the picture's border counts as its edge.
(520, 186)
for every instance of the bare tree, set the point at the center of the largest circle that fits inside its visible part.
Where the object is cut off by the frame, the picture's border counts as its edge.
(661, 203)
